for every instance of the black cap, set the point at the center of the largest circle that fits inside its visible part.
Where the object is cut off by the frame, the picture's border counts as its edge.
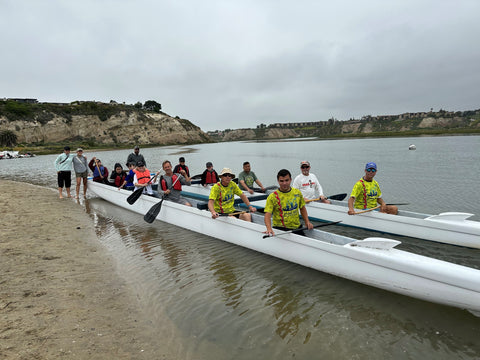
(209, 164)
(140, 163)
(182, 159)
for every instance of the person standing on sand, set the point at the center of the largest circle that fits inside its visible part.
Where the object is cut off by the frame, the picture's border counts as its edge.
(80, 166)
(63, 165)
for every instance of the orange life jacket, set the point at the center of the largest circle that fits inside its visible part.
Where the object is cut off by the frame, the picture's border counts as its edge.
(142, 177)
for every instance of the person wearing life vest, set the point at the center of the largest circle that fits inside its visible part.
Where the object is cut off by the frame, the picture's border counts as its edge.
(170, 184)
(366, 194)
(118, 176)
(209, 176)
(181, 166)
(142, 179)
(100, 172)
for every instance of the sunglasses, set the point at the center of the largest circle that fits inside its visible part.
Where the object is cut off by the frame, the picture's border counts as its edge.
(229, 175)
(305, 167)
(371, 170)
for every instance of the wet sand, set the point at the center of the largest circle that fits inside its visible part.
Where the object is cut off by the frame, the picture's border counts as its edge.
(60, 295)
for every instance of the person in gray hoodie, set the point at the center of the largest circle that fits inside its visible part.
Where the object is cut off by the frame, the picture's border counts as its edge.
(80, 166)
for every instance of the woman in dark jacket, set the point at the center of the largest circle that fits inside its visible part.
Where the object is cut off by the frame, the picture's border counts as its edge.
(118, 176)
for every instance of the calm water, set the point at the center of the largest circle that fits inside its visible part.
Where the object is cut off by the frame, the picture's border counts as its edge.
(227, 302)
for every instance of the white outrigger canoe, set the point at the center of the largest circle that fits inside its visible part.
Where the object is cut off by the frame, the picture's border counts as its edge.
(372, 261)
(449, 227)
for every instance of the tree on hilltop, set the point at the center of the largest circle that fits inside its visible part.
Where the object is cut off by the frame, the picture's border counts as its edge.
(152, 105)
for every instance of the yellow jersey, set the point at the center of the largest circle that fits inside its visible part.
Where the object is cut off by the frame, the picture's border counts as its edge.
(366, 194)
(224, 197)
(285, 207)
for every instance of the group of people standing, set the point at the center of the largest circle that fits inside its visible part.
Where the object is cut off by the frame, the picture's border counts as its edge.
(119, 177)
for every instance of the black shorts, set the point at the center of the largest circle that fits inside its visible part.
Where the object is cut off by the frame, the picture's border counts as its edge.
(64, 179)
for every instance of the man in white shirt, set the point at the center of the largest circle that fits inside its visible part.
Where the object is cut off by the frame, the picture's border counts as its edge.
(309, 185)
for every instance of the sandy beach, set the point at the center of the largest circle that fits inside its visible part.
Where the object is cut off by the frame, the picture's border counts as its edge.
(60, 296)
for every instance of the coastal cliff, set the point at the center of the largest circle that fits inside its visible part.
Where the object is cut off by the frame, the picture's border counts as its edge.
(98, 124)
(410, 124)
(122, 128)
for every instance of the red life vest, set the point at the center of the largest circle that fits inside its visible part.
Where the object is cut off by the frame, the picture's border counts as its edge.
(142, 177)
(119, 179)
(210, 178)
(176, 186)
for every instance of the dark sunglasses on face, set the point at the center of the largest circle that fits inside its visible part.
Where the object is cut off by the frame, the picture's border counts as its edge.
(305, 167)
(371, 170)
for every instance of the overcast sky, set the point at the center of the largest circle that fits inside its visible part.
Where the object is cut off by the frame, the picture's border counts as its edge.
(233, 64)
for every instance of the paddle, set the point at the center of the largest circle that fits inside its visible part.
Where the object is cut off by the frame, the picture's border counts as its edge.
(376, 207)
(338, 197)
(152, 214)
(99, 172)
(302, 228)
(137, 193)
(234, 213)
(256, 189)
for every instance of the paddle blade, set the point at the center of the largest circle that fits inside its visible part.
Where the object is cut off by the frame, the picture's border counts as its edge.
(338, 197)
(152, 214)
(135, 195)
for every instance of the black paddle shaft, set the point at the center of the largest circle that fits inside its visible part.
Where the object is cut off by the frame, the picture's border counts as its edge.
(152, 214)
(303, 228)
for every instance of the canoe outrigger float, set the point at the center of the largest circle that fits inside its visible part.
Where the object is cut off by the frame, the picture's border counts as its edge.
(372, 261)
(449, 227)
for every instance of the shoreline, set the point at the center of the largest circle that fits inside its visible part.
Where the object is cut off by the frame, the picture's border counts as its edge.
(56, 149)
(61, 295)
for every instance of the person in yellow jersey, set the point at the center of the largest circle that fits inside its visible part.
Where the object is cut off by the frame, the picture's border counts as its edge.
(222, 197)
(366, 193)
(284, 206)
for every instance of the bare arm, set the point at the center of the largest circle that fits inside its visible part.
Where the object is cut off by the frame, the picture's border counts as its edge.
(351, 211)
(268, 223)
(304, 213)
(247, 202)
(260, 184)
(212, 209)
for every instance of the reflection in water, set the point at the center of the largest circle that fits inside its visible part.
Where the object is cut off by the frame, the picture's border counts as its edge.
(225, 274)
(228, 300)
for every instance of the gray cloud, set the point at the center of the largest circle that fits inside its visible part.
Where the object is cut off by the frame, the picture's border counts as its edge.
(238, 64)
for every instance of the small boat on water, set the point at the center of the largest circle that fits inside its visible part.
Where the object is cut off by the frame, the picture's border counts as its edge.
(372, 261)
(412, 147)
(449, 227)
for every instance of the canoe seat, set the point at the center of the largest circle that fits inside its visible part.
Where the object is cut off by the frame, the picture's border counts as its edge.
(202, 205)
(376, 243)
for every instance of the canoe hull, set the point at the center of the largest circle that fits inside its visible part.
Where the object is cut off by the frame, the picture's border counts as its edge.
(448, 228)
(372, 262)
